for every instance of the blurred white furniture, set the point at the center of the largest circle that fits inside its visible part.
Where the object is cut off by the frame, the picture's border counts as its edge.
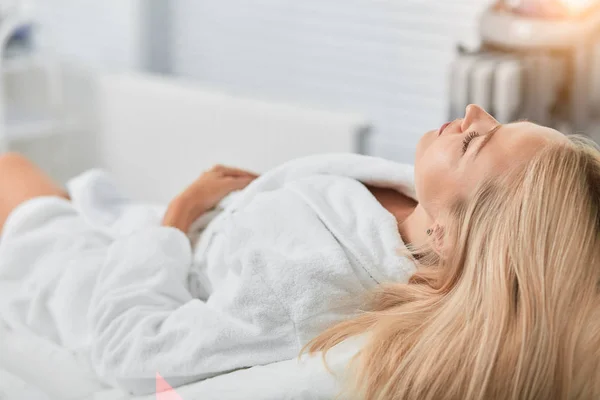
(157, 134)
(31, 98)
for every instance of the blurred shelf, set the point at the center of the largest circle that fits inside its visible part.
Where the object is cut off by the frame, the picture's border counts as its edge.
(21, 62)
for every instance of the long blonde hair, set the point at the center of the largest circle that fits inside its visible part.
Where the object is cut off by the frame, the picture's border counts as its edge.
(512, 312)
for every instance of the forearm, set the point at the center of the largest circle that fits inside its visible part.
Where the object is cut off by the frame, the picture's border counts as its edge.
(182, 212)
(204, 194)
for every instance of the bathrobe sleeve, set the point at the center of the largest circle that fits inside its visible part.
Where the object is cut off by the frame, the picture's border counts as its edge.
(145, 322)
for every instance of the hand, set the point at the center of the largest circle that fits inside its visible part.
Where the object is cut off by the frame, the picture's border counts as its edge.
(204, 194)
(216, 183)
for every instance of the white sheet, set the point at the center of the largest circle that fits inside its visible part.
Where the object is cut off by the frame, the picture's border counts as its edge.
(14, 388)
(33, 368)
(38, 369)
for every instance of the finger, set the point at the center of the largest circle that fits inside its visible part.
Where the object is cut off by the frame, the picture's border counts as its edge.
(237, 172)
(238, 183)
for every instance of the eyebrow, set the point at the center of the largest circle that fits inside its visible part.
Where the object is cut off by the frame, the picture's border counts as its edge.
(487, 138)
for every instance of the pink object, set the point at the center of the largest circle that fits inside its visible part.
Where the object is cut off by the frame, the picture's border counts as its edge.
(164, 391)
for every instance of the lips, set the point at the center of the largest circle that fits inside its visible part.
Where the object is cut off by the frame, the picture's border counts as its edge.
(443, 127)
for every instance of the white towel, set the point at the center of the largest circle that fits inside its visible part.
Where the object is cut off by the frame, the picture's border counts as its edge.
(286, 258)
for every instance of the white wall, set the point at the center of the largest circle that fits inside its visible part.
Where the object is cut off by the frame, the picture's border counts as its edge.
(100, 33)
(386, 59)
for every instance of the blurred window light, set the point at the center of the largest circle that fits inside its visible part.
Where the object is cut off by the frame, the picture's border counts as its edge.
(549, 8)
(578, 5)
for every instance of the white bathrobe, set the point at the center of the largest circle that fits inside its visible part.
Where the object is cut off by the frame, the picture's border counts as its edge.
(285, 258)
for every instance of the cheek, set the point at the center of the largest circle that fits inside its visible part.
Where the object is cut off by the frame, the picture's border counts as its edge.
(434, 169)
(423, 147)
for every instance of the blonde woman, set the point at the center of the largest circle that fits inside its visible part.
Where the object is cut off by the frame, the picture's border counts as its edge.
(481, 276)
(506, 301)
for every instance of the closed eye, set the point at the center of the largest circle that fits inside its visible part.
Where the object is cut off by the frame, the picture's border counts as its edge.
(470, 136)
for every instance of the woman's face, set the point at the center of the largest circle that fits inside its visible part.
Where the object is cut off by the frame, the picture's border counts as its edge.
(451, 161)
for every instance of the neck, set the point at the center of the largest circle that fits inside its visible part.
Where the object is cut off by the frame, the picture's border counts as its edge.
(413, 229)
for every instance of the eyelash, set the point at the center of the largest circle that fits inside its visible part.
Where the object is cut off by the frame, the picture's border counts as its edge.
(470, 136)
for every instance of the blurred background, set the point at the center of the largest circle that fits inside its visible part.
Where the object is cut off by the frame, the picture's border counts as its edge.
(156, 90)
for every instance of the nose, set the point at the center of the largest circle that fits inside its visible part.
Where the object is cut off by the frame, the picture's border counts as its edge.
(473, 114)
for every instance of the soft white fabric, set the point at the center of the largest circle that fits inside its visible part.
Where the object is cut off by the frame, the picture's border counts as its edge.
(33, 368)
(14, 388)
(40, 366)
(286, 258)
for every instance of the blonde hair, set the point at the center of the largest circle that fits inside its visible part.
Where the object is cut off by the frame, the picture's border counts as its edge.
(512, 312)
